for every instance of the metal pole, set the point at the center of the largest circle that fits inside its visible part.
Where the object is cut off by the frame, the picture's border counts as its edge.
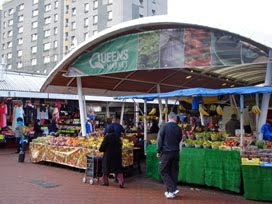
(160, 103)
(145, 125)
(85, 107)
(266, 97)
(257, 116)
(241, 120)
(136, 108)
(122, 113)
(166, 106)
(107, 110)
(81, 107)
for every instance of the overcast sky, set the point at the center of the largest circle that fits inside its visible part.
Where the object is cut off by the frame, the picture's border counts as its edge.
(250, 18)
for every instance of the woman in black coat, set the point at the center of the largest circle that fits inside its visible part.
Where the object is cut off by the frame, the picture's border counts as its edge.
(112, 158)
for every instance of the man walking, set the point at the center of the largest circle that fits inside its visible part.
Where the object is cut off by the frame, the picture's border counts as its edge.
(168, 141)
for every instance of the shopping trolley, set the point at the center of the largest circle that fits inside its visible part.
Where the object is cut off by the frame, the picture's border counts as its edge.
(93, 168)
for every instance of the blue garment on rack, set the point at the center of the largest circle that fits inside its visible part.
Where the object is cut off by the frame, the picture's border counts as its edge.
(267, 131)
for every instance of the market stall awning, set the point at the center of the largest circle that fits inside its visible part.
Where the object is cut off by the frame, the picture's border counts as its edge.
(136, 56)
(201, 92)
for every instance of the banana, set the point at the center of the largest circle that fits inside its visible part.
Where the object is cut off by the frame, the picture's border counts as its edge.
(165, 111)
(219, 110)
(152, 112)
(256, 110)
(181, 108)
(202, 111)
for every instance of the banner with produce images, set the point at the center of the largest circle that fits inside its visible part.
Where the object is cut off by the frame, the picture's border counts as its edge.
(166, 48)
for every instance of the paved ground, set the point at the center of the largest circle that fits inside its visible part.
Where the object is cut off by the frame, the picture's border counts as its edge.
(19, 183)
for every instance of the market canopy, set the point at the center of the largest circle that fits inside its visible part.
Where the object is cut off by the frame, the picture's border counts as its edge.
(201, 92)
(138, 55)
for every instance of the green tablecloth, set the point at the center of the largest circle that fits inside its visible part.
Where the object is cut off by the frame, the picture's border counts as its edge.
(216, 168)
(257, 183)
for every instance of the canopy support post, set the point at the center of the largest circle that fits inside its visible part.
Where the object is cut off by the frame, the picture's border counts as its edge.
(242, 121)
(160, 104)
(145, 125)
(166, 106)
(136, 108)
(81, 107)
(107, 110)
(266, 97)
(257, 116)
(122, 113)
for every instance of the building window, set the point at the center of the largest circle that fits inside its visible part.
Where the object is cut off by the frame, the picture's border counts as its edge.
(153, 1)
(35, 1)
(46, 46)
(55, 58)
(21, 18)
(20, 41)
(3, 46)
(19, 53)
(95, 31)
(110, 15)
(56, 16)
(141, 16)
(86, 36)
(95, 4)
(10, 33)
(109, 1)
(46, 33)
(34, 37)
(35, 24)
(95, 19)
(55, 44)
(56, 4)
(19, 65)
(20, 29)
(11, 11)
(153, 12)
(46, 59)
(4, 35)
(9, 56)
(47, 20)
(73, 11)
(34, 61)
(73, 25)
(86, 8)
(21, 7)
(44, 71)
(47, 7)
(35, 12)
(5, 14)
(9, 66)
(10, 22)
(141, 2)
(33, 49)
(55, 31)
(5, 24)
(86, 22)
(9, 44)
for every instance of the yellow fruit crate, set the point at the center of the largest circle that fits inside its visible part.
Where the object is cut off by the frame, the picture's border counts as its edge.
(251, 162)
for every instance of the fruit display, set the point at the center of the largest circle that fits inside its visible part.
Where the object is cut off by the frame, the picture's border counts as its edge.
(152, 112)
(72, 151)
(165, 111)
(202, 110)
(219, 110)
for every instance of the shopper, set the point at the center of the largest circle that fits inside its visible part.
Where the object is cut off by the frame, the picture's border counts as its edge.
(168, 141)
(232, 125)
(155, 126)
(112, 158)
(37, 129)
(19, 132)
(118, 129)
(89, 127)
(52, 127)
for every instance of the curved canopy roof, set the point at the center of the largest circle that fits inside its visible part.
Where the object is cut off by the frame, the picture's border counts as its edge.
(137, 55)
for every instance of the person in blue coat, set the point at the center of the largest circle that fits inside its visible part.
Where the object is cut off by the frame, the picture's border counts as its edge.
(267, 131)
(89, 127)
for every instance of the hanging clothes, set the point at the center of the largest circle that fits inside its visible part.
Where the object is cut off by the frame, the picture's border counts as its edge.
(18, 112)
(42, 113)
(3, 115)
(56, 114)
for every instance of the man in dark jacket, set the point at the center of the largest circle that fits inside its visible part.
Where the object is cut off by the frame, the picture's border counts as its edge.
(168, 141)
(232, 125)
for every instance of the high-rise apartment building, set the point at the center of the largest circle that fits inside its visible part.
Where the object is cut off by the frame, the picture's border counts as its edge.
(36, 34)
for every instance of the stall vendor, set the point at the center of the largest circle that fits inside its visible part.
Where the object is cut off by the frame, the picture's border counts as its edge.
(232, 125)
